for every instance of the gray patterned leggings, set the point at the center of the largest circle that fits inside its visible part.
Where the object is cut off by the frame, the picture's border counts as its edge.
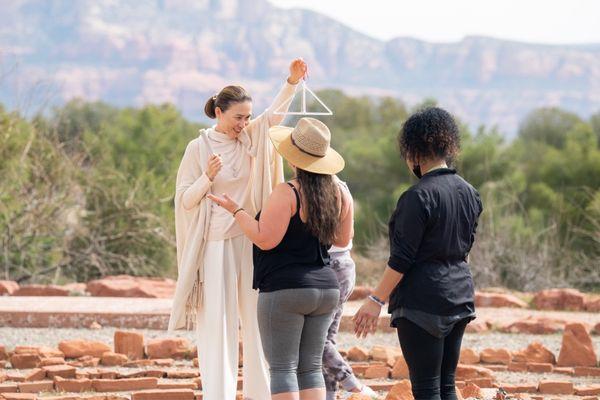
(336, 370)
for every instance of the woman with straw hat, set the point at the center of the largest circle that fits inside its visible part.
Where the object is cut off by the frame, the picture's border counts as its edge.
(291, 235)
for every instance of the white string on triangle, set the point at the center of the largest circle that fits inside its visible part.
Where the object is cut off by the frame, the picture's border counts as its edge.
(303, 107)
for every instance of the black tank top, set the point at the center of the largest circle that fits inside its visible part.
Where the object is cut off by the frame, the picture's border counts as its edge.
(298, 261)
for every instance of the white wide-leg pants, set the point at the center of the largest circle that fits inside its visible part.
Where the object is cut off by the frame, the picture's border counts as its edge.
(228, 297)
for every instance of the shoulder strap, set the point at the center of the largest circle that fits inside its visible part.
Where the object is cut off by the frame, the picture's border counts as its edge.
(297, 197)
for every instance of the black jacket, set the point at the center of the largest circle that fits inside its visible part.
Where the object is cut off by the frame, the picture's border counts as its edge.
(431, 233)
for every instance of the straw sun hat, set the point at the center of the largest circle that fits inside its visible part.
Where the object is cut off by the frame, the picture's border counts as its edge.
(307, 146)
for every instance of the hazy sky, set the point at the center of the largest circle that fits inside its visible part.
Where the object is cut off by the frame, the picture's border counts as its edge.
(540, 21)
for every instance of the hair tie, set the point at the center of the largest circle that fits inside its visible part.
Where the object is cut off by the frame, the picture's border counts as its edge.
(214, 98)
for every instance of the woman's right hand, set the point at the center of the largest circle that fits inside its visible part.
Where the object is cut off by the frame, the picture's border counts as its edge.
(366, 318)
(214, 166)
(298, 70)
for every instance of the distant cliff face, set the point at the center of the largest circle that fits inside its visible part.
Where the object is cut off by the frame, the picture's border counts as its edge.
(130, 52)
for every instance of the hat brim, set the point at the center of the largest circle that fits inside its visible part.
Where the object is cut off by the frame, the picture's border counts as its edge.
(330, 164)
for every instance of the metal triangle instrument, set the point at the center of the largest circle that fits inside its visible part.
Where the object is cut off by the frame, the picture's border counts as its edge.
(303, 110)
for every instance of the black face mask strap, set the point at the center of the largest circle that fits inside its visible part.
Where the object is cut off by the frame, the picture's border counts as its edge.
(417, 171)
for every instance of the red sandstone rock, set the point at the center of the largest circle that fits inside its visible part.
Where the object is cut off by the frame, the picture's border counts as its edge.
(52, 361)
(586, 371)
(535, 352)
(386, 354)
(577, 348)
(130, 286)
(10, 387)
(358, 354)
(164, 394)
(559, 299)
(464, 372)
(113, 359)
(24, 361)
(477, 326)
(129, 343)
(167, 348)
(72, 385)
(534, 325)
(360, 368)
(78, 348)
(517, 367)
(564, 370)
(8, 287)
(483, 299)
(592, 303)
(400, 391)
(85, 361)
(471, 390)
(495, 356)
(19, 396)
(540, 368)
(42, 351)
(122, 385)
(41, 290)
(469, 356)
(35, 387)
(483, 382)
(377, 372)
(64, 371)
(400, 370)
(588, 390)
(547, 386)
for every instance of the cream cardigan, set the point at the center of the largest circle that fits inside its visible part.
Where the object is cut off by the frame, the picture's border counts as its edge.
(191, 222)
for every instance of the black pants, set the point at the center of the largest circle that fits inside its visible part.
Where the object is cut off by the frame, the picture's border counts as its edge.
(431, 361)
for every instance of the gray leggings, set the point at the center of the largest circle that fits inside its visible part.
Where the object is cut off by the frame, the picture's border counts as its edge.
(293, 327)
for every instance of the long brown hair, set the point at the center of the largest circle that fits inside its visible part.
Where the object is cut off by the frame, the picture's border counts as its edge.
(226, 97)
(320, 201)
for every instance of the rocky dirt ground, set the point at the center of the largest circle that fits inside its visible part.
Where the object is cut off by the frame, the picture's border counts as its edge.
(542, 345)
(375, 359)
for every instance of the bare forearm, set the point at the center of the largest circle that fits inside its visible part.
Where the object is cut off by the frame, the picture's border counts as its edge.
(250, 227)
(388, 282)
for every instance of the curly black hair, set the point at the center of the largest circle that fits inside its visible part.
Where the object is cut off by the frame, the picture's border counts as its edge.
(430, 133)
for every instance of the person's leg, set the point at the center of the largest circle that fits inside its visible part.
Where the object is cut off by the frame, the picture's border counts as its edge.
(255, 369)
(218, 325)
(281, 319)
(312, 342)
(336, 369)
(450, 358)
(423, 354)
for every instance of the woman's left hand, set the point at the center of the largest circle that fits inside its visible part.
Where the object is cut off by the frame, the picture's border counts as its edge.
(366, 318)
(298, 70)
(226, 202)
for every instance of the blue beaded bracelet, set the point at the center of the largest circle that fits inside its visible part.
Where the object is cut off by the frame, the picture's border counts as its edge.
(377, 300)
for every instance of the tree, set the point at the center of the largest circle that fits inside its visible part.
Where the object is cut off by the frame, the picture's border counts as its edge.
(548, 125)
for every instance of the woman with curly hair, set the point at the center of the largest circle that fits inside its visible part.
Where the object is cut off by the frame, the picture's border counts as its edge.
(427, 279)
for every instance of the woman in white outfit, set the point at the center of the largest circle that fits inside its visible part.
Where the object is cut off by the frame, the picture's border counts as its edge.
(214, 287)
